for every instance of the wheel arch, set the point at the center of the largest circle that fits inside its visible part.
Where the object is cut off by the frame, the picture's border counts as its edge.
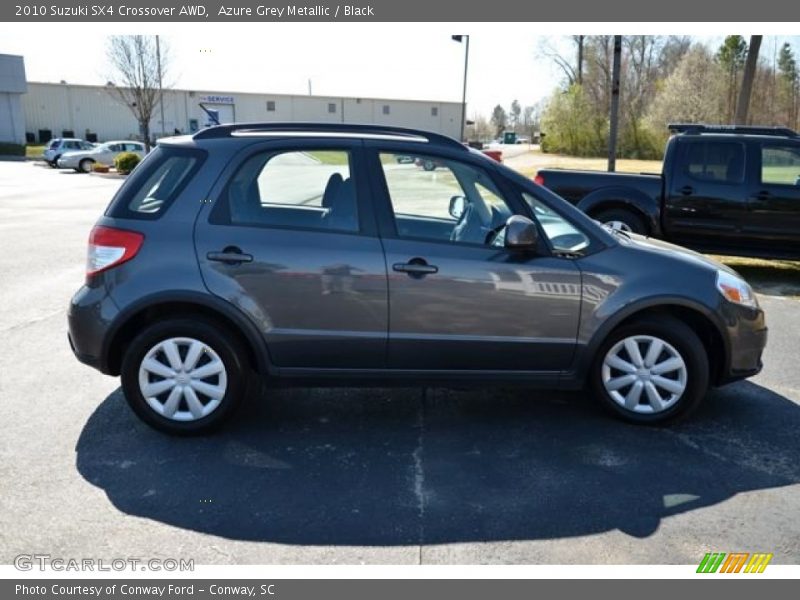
(626, 199)
(183, 304)
(700, 318)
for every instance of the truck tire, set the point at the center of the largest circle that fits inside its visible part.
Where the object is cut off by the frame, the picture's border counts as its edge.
(624, 219)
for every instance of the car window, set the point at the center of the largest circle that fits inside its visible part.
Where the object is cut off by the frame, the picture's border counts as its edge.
(563, 235)
(296, 189)
(720, 162)
(161, 184)
(115, 147)
(442, 199)
(134, 147)
(780, 164)
(54, 144)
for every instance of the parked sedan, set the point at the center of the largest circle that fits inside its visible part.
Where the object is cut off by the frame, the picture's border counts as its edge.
(84, 160)
(58, 146)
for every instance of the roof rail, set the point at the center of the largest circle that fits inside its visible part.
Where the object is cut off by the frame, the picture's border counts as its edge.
(698, 128)
(222, 131)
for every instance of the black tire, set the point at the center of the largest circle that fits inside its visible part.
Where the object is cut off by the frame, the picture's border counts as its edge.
(428, 165)
(683, 339)
(634, 221)
(85, 166)
(54, 163)
(226, 346)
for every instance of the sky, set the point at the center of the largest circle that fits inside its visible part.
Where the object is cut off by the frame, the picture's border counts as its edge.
(399, 60)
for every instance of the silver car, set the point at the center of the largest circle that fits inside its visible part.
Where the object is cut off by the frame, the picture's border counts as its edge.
(84, 160)
(58, 146)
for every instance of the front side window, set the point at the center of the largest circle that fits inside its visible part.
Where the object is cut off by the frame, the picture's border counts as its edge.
(780, 165)
(443, 200)
(715, 162)
(563, 235)
(297, 189)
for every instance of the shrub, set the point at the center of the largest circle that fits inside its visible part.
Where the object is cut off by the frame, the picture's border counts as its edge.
(11, 149)
(126, 162)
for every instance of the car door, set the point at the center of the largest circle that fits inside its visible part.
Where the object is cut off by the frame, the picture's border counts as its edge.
(773, 222)
(706, 201)
(458, 300)
(292, 242)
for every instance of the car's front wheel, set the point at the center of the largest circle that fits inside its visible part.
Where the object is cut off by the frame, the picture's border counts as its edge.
(86, 165)
(183, 376)
(651, 371)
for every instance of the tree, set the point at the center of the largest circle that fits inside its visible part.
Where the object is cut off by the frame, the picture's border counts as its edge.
(743, 104)
(515, 114)
(136, 72)
(731, 56)
(499, 120)
(691, 94)
(789, 83)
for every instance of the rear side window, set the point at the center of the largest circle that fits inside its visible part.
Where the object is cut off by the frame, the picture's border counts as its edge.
(715, 162)
(155, 183)
(305, 189)
(780, 165)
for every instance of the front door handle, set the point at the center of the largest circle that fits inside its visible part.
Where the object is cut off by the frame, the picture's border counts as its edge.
(416, 267)
(687, 190)
(230, 256)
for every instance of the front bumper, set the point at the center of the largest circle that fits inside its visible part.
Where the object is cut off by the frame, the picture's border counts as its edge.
(747, 338)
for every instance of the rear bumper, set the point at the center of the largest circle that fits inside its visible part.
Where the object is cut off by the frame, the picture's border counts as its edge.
(90, 314)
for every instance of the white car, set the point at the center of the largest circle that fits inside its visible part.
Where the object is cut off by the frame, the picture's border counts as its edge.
(84, 160)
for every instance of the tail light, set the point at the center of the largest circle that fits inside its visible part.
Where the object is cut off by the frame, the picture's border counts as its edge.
(539, 179)
(110, 247)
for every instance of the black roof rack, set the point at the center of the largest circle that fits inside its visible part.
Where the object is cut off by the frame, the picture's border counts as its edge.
(222, 131)
(698, 128)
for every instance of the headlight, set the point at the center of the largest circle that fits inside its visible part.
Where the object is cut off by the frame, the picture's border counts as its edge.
(735, 289)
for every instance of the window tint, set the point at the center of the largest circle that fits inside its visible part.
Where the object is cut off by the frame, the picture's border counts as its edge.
(780, 165)
(155, 183)
(563, 235)
(441, 199)
(721, 162)
(304, 189)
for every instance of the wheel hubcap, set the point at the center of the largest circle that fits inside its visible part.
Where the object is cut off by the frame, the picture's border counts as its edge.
(644, 374)
(182, 379)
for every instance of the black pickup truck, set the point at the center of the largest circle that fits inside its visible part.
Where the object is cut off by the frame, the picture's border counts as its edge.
(727, 190)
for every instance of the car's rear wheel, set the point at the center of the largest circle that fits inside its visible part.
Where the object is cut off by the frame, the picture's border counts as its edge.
(651, 371)
(183, 376)
(622, 219)
(86, 165)
(54, 163)
(428, 165)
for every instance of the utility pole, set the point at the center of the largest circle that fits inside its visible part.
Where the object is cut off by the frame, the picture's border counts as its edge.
(612, 137)
(160, 87)
(459, 39)
(743, 105)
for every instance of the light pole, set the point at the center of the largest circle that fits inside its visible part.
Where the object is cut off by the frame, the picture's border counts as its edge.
(465, 39)
(160, 87)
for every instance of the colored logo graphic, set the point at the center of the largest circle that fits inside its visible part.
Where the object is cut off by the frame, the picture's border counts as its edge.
(735, 562)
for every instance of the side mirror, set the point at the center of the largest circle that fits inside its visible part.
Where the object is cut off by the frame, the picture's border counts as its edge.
(521, 233)
(458, 204)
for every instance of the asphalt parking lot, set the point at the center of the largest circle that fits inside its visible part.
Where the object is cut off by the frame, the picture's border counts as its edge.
(364, 476)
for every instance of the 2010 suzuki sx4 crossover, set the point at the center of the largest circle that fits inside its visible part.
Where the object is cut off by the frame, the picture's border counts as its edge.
(310, 254)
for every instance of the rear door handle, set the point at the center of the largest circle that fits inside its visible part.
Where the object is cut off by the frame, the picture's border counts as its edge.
(763, 195)
(230, 256)
(416, 267)
(687, 190)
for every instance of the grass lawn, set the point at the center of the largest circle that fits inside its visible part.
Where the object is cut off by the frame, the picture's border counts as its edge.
(529, 163)
(771, 277)
(34, 151)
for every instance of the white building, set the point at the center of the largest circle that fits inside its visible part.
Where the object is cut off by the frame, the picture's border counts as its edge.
(78, 110)
(12, 87)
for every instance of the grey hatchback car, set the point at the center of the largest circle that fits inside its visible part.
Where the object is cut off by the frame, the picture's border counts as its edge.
(309, 254)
